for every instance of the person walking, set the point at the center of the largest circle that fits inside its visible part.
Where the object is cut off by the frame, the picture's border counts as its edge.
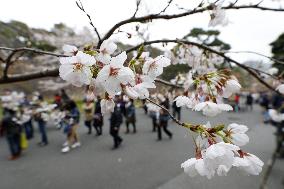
(116, 119)
(164, 118)
(42, 127)
(249, 102)
(130, 116)
(154, 115)
(71, 127)
(176, 110)
(88, 108)
(98, 117)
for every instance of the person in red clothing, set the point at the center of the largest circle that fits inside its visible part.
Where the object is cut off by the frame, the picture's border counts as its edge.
(237, 102)
(57, 99)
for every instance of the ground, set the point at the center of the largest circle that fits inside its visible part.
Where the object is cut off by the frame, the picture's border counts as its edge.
(140, 163)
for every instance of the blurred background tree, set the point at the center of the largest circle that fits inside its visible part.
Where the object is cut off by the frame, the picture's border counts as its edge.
(278, 51)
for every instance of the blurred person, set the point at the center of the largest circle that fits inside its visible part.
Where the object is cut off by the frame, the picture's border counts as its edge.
(122, 103)
(249, 102)
(98, 117)
(116, 120)
(154, 115)
(39, 118)
(12, 130)
(64, 97)
(176, 110)
(264, 103)
(237, 102)
(145, 106)
(277, 101)
(164, 118)
(73, 117)
(57, 100)
(130, 116)
(88, 108)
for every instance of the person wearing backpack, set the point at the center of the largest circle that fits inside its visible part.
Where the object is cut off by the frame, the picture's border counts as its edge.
(116, 119)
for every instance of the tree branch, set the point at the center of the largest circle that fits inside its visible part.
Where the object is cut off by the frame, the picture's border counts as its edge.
(164, 10)
(138, 2)
(251, 52)
(29, 76)
(81, 7)
(14, 51)
(151, 17)
(158, 80)
(168, 112)
(250, 70)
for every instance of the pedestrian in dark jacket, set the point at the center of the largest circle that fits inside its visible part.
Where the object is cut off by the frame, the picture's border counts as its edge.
(98, 118)
(130, 116)
(12, 131)
(176, 110)
(249, 102)
(116, 119)
(164, 118)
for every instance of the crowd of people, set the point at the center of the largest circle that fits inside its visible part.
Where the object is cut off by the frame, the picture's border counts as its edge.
(21, 113)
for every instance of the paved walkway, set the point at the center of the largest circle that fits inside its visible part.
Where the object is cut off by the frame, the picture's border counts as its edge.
(141, 162)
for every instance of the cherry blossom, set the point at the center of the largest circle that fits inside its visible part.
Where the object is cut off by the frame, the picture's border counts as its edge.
(280, 88)
(212, 109)
(218, 16)
(232, 86)
(220, 157)
(237, 134)
(114, 75)
(276, 116)
(131, 92)
(76, 69)
(195, 166)
(248, 163)
(107, 48)
(107, 105)
(154, 67)
(70, 50)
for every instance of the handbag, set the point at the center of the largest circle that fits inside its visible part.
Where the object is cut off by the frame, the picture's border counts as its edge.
(23, 141)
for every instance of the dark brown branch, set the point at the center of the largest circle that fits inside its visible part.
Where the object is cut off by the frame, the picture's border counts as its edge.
(151, 17)
(81, 7)
(138, 2)
(37, 51)
(9, 60)
(164, 10)
(29, 76)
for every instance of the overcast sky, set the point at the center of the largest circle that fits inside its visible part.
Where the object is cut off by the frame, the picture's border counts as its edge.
(249, 29)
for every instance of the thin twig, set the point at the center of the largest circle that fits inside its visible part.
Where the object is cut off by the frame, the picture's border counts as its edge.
(168, 112)
(252, 52)
(138, 2)
(81, 7)
(164, 10)
(36, 51)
